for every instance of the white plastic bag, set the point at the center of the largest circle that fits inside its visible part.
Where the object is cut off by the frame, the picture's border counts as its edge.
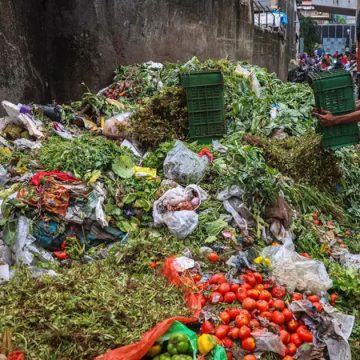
(296, 271)
(254, 82)
(184, 166)
(180, 223)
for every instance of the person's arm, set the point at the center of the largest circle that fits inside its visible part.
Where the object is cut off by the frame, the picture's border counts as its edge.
(327, 119)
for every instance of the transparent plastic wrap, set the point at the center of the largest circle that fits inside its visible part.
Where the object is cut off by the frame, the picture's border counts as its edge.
(184, 166)
(234, 205)
(25, 251)
(331, 328)
(267, 341)
(296, 271)
(117, 127)
(170, 209)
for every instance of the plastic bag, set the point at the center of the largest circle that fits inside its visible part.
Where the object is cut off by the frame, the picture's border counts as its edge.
(25, 251)
(268, 341)
(349, 260)
(95, 201)
(191, 291)
(254, 82)
(180, 223)
(4, 176)
(296, 271)
(176, 328)
(184, 166)
(138, 350)
(233, 204)
(331, 328)
(116, 127)
(24, 144)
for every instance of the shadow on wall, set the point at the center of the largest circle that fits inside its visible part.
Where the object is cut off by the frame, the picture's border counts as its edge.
(75, 41)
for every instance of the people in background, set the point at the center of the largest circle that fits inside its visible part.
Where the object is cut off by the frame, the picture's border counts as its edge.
(344, 60)
(339, 62)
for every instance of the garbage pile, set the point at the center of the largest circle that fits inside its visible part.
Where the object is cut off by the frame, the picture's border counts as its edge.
(122, 239)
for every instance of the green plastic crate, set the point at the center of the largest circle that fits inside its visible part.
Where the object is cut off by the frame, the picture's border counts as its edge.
(333, 91)
(338, 136)
(205, 104)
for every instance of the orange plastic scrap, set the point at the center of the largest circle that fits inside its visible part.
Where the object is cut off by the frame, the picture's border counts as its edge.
(192, 292)
(138, 350)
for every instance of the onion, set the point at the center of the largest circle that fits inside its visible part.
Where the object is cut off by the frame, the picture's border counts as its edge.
(195, 201)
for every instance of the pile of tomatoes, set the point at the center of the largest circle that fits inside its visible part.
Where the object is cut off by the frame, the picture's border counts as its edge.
(259, 305)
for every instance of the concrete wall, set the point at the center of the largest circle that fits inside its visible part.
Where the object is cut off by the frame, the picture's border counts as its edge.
(48, 47)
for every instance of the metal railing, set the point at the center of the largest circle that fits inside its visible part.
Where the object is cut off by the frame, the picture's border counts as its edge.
(264, 17)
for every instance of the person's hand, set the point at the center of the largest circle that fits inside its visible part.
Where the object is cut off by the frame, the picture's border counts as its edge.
(324, 115)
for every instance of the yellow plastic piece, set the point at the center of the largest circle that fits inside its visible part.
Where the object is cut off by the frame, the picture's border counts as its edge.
(143, 172)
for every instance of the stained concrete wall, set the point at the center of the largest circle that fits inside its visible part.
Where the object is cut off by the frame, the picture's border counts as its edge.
(48, 47)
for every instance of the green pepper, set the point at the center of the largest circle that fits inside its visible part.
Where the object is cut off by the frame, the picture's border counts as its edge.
(178, 344)
(165, 356)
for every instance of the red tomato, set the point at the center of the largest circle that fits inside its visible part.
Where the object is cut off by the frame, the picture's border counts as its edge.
(202, 300)
(249, 303)
(278, 292)
(316, 221)
(241, 294)
(259, 287)
(233, 312)
(278, 305)
(224, 288)
(266, 315)
(290, 349)
(225, 317)
(216, 298)
(197, 277)
(254, 324)
(287, 314)
(318, 306)
(262, 305)
(229, 355)
(153, 264)
(254, 294)
(265, 295)
(244, 332)
(248, 344)
(213, 257)
(284, 336)
(249, 278)
(278, 317)
(297, 296)
(295, 339)
(245, 312)
(287, 357)
(305, 254)
(315, 214)
(227, 343)
(313, 298)
(234, 333)
(249, 357)
(305, 335)
(333, 298)
(229, 297)
(221, 331)
(246, 286)
(242, 320)
(217, 279)
(234, 287)
(258, 277)
(292, 325)
(207, 328)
